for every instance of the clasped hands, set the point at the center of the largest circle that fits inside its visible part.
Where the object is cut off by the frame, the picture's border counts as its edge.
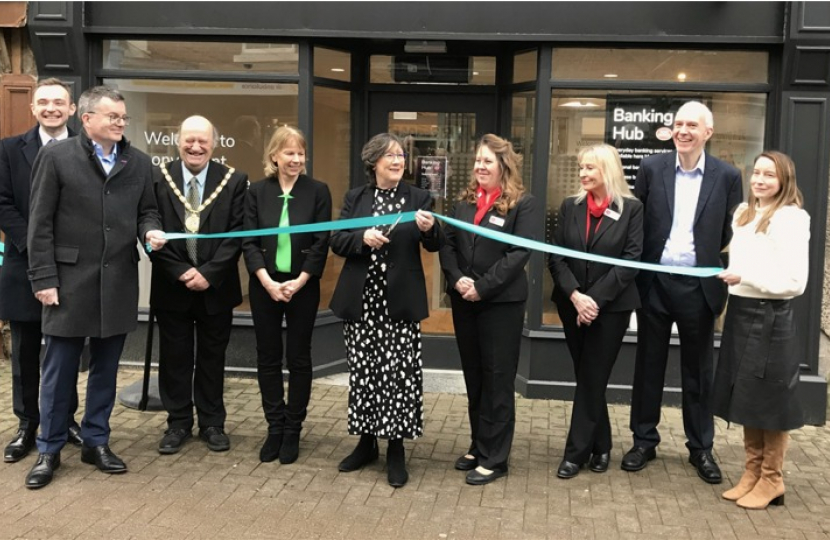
(375, 238)
(194, 280)
(285, 291)
(467, 288)
(586, 308)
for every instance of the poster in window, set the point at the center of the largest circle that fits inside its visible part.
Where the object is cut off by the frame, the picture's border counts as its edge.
(432, 174)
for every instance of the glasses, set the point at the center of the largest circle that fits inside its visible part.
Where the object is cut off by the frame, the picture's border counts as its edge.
(393, 157)
(114, 118)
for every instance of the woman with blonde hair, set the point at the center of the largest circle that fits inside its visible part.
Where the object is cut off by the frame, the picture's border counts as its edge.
(595, 300)
(756, 380)
(285, 283)
(487, 287)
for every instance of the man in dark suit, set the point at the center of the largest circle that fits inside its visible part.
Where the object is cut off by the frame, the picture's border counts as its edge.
(52, 107)
(91, 194)
(195, 285)
(688, 197)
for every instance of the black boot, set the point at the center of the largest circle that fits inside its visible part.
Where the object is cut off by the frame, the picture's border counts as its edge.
(396, 463)
(365, 453)
(290, 449)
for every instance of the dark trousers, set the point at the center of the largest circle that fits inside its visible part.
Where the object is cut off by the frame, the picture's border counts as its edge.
(674, 299)
(489, 338)
(192, 347)
(300, 314)
(594, 350)
(59, 383)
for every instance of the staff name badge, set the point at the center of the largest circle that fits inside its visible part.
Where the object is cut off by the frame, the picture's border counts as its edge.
(610, 213)
(497, 221)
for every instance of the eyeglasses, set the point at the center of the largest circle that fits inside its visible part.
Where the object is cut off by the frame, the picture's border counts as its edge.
(114, 118)
(393, 157)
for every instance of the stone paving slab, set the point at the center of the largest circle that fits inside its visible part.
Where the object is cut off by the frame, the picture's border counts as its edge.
(198, 494)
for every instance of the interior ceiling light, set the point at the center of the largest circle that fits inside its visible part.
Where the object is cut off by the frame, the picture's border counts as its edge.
(425, 47)
(338, 70)
(610, 75)
(681, 76)
(576, 104)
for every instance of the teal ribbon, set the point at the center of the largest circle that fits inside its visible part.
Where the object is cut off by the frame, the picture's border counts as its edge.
(405, 217)
(2, 250)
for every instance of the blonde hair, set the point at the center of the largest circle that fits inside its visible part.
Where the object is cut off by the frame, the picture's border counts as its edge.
(282, 137)
(512, 187)
(607, 160)
(789, 194)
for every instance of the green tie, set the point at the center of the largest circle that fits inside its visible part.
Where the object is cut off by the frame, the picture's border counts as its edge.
(284, 240)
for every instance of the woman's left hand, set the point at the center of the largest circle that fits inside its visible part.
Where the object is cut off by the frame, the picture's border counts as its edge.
(729, 278)
(424, 220)
(471, 295)
(290, 288)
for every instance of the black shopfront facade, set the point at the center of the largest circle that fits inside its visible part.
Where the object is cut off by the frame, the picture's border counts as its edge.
(550, 76)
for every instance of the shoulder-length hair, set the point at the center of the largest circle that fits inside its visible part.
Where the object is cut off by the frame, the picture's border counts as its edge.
(607, 160)
(512, 187)
(789, 194)
(374, 149)
(282, 137)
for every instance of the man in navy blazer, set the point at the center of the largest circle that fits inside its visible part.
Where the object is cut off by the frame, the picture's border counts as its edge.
(52, 107)
(688, 198)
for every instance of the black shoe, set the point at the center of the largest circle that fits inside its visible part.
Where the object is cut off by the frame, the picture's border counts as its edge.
(20, 446)
(599, 462)
(103, 458)
(364, 453)
(173, 440)
(475, 478)
(637, 458)
(707, 469)
(567, 469)
(74, 435)
(290, 449)
(466, 464)
(396, 464)
(270, 448)
(43, 470)
(215, 438)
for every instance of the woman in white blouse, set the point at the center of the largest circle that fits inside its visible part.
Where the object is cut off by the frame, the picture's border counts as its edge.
(757, 373)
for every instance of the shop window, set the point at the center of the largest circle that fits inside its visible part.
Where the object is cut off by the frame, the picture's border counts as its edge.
(524, 67)
(134, 54)
(521, 132)
(582, 118)
(432, 69)
(683, 66)
(332, 64)
(331, 159)
(245, 114)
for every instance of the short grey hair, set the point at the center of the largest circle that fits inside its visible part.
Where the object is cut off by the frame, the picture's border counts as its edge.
(93, 96)
(374, 150)
(701, 109)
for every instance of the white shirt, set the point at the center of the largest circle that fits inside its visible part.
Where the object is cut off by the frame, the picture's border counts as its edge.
(680, 247)
(45, 137)
(201, 178)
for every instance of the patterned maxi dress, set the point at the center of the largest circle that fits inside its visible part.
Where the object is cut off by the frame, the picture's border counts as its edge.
(384, 355)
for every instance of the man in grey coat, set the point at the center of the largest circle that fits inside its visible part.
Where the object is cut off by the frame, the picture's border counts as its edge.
(91, 196)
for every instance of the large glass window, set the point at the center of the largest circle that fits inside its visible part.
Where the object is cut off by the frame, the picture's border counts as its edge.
(432, 69)
(245, 114)
(332, 64)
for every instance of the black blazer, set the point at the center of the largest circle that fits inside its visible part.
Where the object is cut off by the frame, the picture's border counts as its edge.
(406, 291)
(721, 192)
(611, 287)
(17, 154)
(496, 267)
(310, 203)
(217, 257)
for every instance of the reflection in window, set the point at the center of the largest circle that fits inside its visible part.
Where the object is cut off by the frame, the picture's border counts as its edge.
(332, 64)
(524, 67)
(432, 69)
(738, 138)
(245, 115)
(521, 132)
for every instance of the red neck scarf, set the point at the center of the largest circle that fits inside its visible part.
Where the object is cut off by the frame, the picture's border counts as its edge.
(484, 202)
(595, 210)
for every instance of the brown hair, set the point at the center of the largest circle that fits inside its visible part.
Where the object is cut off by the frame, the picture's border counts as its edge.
(512, 187)
(282, 137)
(374, 149)
(789, 194)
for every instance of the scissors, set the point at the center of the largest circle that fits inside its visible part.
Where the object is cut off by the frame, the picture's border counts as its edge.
(392, 228)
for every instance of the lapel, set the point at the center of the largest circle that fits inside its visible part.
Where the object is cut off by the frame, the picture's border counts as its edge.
(174, 169)
(31, 145)
(606, 223)
(215, 174)
(363, 204)
(580, 214)
(669, 180)
(707, 184)
(121, 160)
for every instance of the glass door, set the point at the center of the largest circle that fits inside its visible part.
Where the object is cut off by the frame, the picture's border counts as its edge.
(440, 132)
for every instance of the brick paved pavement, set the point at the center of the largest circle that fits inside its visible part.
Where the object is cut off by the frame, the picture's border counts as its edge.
(198, 494)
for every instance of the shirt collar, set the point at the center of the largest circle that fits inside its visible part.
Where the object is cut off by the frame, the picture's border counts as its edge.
(45, 137)
(201, 177)
(699, 167)
(99, 151)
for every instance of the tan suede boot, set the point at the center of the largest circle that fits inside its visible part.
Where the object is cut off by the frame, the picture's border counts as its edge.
(770, 488)
(754, 446)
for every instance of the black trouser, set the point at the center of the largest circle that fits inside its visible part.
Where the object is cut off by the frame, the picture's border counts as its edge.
(300, 314)
(594, 350)
(489, 338)
(26, 338)
(192, 368)
(674, 299)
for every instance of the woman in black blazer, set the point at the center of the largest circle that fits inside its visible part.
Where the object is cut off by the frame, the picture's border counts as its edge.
(595, 300)
(285, 281)
(487, 287)
(381, 295)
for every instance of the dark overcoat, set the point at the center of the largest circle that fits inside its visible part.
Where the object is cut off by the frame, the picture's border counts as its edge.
(17, 154)
(82, 236)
